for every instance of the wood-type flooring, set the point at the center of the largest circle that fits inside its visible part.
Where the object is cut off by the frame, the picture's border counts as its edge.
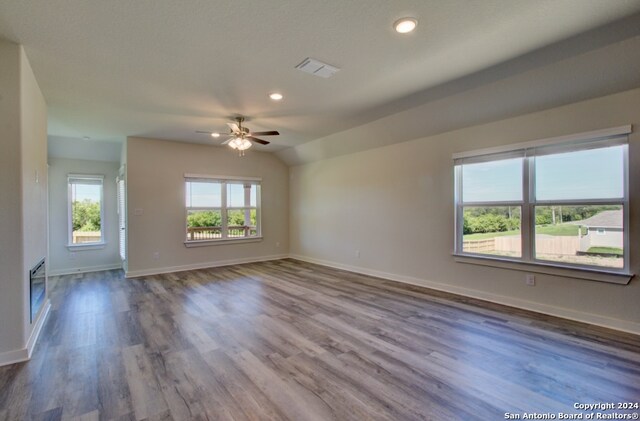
(291, 340)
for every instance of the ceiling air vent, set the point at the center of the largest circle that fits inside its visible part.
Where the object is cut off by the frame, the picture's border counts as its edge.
(317, 68)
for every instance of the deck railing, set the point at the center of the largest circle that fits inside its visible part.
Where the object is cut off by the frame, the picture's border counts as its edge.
(213, 233)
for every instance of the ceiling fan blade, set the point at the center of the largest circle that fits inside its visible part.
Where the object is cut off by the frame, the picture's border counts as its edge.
(269, 133)
(234, 127)
(260, 141)
(200, 131)
(227, 141)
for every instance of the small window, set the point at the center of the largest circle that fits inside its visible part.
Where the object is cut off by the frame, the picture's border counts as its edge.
(561, 203)
(86, 210)
(222, 209)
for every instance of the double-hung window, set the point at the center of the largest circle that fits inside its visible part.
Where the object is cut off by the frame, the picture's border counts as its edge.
(86, 210)
(556, 202)
(221, 208)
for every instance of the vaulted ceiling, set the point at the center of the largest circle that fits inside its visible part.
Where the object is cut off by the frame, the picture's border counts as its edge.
(164, 69)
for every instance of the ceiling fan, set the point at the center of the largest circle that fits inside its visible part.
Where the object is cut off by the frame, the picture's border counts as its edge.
(240, 137)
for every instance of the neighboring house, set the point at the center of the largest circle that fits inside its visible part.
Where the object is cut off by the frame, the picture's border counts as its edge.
(602, 230)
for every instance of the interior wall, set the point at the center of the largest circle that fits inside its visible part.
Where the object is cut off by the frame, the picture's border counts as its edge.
(11, 276)
(63, 260)
(33, 134)
(156, 205)
(23, 191)
(389, 212)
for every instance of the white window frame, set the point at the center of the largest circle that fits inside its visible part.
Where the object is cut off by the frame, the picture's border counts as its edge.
(224, 180)
(85, 246)
(529, 150)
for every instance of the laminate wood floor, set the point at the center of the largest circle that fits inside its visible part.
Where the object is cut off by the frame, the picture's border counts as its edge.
(291, 340)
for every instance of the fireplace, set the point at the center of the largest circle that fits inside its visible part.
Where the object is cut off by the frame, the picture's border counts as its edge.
(37, 285)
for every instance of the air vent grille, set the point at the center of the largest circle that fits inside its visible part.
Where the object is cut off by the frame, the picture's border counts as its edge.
(317, 68)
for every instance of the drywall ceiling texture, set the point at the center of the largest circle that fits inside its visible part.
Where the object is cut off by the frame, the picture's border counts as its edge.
(156, 187)
(394, 205)
(63, 260)
(596, 72)
(116, 69)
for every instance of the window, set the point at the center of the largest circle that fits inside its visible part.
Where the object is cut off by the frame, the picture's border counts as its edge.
(122, 218)
(560, 202)
(86, 210)
(219, 208)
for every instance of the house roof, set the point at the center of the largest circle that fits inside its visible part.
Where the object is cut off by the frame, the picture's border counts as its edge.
(609, 219)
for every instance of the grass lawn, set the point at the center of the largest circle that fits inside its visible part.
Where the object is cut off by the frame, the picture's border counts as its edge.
(567, 230)
(609, 250)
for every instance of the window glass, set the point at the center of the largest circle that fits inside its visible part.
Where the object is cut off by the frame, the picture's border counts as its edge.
(212, 215)
(574, 215)
(86, 211)
(204, 225)
(580, 175)
(493, 181)
(204, 194)
(493, 230)
(583, 235)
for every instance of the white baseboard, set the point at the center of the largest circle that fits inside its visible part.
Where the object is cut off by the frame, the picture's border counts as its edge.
(205, 265)
(86, 269)
(24, 354)
(12, 357)
(594, 319)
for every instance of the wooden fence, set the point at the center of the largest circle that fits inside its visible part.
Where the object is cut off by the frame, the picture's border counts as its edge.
(86, 237)
(552, 245)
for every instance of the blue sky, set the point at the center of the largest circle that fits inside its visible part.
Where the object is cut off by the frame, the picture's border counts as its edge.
(588, 174)
(86, 191)
(208, 194)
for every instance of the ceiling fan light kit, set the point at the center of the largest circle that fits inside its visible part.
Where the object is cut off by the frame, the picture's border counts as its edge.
(241, 138)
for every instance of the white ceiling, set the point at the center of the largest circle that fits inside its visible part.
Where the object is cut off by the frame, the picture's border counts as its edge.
(165, 68)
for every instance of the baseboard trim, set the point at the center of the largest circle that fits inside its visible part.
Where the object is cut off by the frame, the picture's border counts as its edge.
(13, 357)
(204, 265)
(24, 354)
(86, 269)
(594, 319)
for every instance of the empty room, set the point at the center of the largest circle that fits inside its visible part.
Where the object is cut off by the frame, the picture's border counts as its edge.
(329, 210)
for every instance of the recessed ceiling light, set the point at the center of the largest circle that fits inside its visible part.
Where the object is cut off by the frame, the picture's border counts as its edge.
(276, 96)
(405, 25)
(214, 134)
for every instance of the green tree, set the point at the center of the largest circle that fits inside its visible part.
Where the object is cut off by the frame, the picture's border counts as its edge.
(86, 216)
(204, 219)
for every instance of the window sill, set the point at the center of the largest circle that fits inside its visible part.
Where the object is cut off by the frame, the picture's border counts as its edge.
(86, 246)
(600, 275)
(205, 243)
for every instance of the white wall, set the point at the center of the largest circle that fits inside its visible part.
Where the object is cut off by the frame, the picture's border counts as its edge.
(155, 184)
(62, 260)
(11, 302)
(394, 205)
(23, 191)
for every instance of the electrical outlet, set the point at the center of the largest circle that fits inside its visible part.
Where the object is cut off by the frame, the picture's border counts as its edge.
(358, 254)
(530, 280)
(277, 243)
(156, 255)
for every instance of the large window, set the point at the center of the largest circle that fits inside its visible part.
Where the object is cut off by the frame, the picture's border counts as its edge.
(220, 208)
(86, 210)
(560, 202)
